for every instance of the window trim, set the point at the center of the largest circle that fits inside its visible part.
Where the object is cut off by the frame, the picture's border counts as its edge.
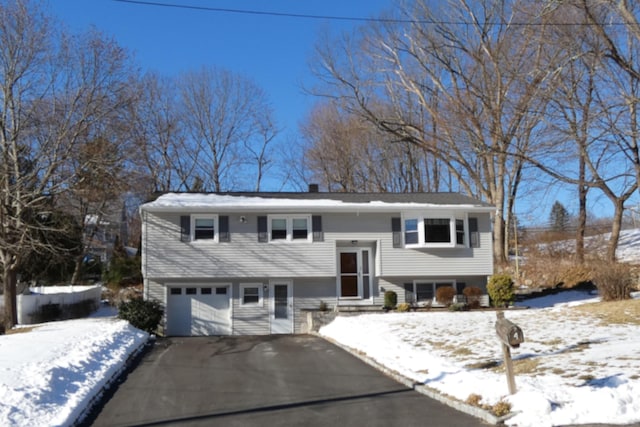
(216, 231)
(260, 302)
(421, 218)
(289, 228)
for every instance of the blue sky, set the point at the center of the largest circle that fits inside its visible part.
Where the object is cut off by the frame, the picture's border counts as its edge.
(274, 51)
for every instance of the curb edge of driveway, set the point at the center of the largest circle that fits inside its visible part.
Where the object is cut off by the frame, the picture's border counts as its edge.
(111, 383)
(421, 388)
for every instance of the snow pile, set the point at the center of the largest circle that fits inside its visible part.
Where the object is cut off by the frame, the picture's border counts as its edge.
(571, 369)
(50, 375)
(180, 201)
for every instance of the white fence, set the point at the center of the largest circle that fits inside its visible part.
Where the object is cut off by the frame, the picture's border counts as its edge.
(61, 297)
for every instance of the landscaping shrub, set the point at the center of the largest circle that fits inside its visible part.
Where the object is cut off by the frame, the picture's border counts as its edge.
(390, 300)
(142, 314)
(474, 400)
(473, 294)
(500, 289)
(403, 307)
(614, 281)
(445, 294)
(459, 306)
(501, 408)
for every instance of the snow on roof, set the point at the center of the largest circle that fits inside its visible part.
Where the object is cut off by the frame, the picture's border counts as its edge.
(174, 202)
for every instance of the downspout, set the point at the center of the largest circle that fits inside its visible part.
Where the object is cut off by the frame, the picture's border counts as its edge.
(143, 254)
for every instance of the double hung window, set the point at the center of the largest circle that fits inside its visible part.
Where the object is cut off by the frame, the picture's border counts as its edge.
(290, 228)
(204, 227)
(251, 293)
(411, 235)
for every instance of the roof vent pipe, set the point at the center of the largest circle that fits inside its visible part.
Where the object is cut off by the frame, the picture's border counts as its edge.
(313, 188)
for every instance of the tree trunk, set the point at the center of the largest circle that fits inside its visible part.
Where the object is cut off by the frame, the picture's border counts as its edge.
(582, 217)
(498, 236)
(75, 279)
(615, 231)
(10, 307)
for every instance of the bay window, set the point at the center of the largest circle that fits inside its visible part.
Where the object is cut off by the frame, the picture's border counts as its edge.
(435, 231)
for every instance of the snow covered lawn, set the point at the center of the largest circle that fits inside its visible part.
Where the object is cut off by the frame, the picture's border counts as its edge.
(49, 376)
(573, 367)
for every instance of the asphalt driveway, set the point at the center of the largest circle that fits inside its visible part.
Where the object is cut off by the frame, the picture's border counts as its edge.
(286, 380)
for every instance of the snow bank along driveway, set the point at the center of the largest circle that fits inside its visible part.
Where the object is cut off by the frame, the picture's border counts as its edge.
(50, 375)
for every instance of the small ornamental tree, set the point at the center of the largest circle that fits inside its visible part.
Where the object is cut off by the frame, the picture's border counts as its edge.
(473, 294)
(500, 290)
(445, 294)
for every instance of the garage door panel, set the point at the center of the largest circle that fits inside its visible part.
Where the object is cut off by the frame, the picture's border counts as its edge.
(179, 314)
(203, 312)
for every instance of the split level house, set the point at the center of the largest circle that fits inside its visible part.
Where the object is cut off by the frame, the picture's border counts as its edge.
(256, 263)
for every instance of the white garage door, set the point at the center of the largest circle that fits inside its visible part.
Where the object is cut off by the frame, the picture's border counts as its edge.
(199, 310)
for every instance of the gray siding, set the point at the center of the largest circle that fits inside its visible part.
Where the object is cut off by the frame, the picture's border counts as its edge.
(166, 256)
(250, 320)
(308, 293)
(413, 262)
(310, 265)
(154, 291)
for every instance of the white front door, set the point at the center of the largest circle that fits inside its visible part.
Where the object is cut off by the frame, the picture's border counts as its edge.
(281, 307)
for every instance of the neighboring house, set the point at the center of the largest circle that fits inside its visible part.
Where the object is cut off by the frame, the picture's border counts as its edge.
(254, 263)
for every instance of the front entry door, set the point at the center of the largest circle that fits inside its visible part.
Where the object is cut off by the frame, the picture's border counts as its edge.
(281, 307)
(354, 273)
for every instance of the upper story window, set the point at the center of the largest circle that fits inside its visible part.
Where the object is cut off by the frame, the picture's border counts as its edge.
(411, 235)
(290, 228)
(204, 227)
(437, 231)
(278, 229)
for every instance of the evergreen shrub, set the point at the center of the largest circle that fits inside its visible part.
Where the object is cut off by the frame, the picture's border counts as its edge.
(142, 314)
(500, 289)
(390, 300)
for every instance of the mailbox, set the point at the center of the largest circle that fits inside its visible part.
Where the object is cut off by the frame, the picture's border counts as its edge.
(508, 332)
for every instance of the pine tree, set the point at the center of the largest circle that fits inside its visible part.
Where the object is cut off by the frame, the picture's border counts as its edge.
(559, 217)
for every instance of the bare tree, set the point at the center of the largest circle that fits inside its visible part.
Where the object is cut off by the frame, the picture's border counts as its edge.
(594, 110)
(480, 77)
(160, 135)
(53, 89)
(224, 113)
(345, 152)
